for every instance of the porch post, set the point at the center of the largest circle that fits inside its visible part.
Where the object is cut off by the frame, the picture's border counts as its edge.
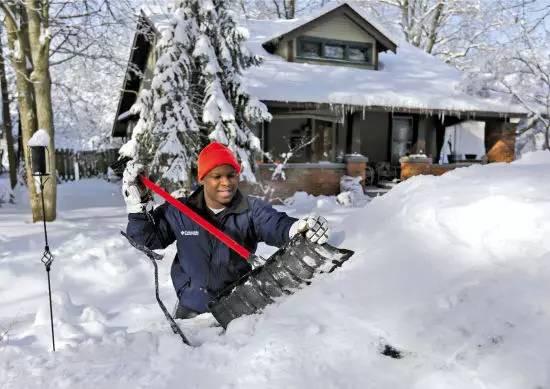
(500, 140)
(349, 132)
(355, 135)
(265, 140)
(356, 166)
(420, 143)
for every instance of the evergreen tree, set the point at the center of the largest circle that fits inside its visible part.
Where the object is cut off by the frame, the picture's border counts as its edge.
(220, 57)
(166, 137)
(197, 95)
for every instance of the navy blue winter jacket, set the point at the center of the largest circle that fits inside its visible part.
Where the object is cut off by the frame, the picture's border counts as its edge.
(203, 265)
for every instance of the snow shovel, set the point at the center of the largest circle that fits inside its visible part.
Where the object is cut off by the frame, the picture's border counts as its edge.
(289, 269)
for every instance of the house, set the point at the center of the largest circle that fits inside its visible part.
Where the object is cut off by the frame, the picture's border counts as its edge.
(364, 97)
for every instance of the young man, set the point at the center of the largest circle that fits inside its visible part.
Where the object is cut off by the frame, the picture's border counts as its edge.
(203, 265)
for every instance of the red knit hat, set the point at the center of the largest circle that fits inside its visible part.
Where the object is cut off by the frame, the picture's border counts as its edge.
(214, 155)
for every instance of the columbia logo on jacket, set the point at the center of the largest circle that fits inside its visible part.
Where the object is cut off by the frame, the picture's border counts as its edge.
(190, 233)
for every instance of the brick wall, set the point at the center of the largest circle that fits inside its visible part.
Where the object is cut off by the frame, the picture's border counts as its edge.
(313, 178)
(411, 168)
(356, 166)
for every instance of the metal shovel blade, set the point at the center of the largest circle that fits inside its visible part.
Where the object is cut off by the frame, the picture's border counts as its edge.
(287, 270)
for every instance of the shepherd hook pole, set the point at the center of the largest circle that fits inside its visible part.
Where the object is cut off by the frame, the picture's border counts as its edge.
(47, 257)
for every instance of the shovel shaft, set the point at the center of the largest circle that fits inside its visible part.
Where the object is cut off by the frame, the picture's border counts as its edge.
(220, 235)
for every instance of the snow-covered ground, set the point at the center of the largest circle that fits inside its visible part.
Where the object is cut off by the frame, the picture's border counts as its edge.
(454, 271)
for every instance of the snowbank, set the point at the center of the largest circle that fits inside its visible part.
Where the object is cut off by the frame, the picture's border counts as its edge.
(453, 271)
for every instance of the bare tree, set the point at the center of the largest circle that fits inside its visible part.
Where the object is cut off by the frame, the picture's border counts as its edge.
(17, 28)
(453, 30)
(278, 9)
(6, 119)
(42, 33)
(524, 66)
(279, 172)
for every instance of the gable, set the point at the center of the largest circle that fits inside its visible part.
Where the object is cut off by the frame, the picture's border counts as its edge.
(340, 36)
(338, 32)
(339, 27)
(343, 19)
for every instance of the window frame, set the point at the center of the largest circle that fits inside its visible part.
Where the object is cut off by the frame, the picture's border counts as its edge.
(301, 40)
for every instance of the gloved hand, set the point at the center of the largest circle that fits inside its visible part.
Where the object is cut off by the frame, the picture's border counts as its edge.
(136, 195)
(315, 227)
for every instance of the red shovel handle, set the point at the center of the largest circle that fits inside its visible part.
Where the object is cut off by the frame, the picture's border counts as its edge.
(222, 236)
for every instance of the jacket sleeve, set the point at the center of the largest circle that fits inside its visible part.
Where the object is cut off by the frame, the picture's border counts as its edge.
(152, 231)
(270, 225)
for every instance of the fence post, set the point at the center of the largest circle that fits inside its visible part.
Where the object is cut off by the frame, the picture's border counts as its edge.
(76, 167)
(65, 162)
(70, 161)
(62, 165)
(57, 164)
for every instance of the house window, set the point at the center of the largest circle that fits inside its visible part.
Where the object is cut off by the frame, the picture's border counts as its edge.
(359, 54)
(334, 51)
(331, 50)
(310, 49)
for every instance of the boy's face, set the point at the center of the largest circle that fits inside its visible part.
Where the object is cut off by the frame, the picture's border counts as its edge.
(220, 185)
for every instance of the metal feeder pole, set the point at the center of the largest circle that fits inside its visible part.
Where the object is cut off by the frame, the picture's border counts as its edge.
(47, 257)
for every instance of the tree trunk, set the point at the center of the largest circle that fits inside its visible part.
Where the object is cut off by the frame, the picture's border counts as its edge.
(277, 8)
(547, 138)
(25, 97)
(405, 21)
(6, 118)
(39, 40)
(434, 27)
(290, 8)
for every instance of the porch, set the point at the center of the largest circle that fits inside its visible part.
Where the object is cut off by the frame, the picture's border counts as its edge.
(382, 137)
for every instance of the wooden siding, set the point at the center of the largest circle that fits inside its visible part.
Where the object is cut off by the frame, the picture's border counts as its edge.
(149, 68)
(339, 28)
(282, 50)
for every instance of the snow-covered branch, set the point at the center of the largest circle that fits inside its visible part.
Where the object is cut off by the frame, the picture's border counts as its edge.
(279, 172)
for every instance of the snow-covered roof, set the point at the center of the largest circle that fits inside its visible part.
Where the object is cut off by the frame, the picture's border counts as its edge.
(288, 26)
(40, 138)
(158, 15)
(409, 79)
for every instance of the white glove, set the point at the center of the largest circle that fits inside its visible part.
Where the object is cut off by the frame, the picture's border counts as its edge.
(136, 195)
(315, 227)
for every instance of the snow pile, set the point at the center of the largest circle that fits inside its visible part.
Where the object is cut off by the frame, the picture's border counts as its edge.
(541, 157)
(39, 138)
(452, 271)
